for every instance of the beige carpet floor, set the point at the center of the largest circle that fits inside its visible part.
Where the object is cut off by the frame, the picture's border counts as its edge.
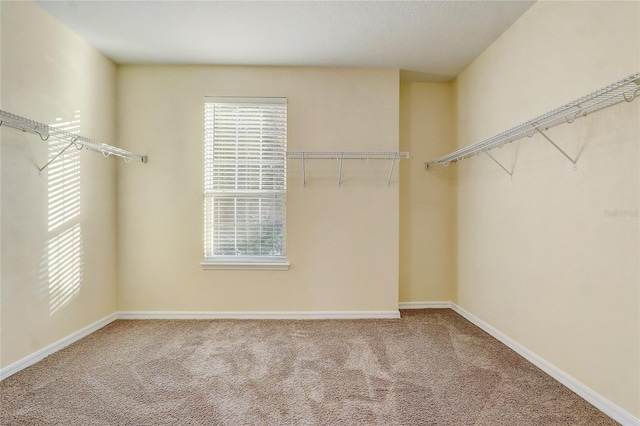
(432, 367)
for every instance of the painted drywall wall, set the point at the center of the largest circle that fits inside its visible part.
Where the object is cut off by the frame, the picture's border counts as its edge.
(0, 185)
(342, 243)
(427, 199)
(551, 258)
(58, 275)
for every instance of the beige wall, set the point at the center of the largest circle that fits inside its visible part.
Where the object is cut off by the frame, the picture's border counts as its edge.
(342, 242)
(538, 258)
(427, 200)
(48, 72)
(0, 187)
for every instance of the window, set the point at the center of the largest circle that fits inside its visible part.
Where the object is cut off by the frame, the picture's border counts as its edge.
(245, 182)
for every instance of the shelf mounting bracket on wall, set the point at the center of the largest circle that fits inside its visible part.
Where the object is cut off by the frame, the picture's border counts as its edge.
(510, 173)
(393, 163)
(45, 131)
(41, 169)
(558, 148)
(304, 172)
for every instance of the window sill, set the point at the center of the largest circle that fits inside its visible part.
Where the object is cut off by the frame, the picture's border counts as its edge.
(248, 265)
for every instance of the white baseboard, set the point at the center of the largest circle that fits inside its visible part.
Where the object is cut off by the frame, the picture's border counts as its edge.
(258, 315)
(424, 305)
(601, 403)
(55, 347)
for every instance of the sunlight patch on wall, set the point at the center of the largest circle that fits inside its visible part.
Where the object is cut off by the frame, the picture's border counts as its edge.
(64, 272)
(64, 178)
(62, 264)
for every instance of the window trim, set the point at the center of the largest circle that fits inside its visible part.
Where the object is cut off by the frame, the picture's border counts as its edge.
(274, 263)
(269, 263)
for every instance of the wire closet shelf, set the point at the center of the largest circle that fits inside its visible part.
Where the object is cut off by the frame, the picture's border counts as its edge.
(626, 89)
(346, 155)
(45, 132)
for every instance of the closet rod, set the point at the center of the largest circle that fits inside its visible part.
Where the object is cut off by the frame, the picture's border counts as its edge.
(45, 131)
(624, 90)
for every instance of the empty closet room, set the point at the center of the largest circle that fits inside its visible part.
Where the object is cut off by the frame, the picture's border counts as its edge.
(320, 212)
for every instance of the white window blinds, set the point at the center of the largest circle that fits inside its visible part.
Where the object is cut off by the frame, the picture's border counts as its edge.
(245, 179)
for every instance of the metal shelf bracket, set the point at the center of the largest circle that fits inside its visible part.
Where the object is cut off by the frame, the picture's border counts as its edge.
(55, 157)
(575, 167)
(510, 173)
(393, 163)
(304, 172)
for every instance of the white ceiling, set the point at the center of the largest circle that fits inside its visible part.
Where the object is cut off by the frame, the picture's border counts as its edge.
(427, 40)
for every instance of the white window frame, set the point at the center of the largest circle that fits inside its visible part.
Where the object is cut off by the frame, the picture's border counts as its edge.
(235, 262)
